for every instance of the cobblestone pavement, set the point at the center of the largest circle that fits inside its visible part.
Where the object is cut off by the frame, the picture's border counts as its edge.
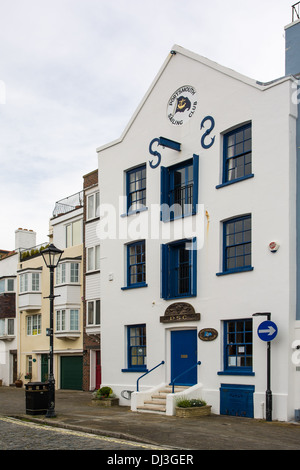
(20, 435)
(74, 412)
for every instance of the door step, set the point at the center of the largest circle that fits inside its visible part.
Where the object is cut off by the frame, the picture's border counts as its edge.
(158, 401)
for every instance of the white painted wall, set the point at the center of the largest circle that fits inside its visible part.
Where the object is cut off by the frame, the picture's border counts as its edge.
(269, 196)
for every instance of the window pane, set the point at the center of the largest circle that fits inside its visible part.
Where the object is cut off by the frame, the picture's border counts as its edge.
(90, 313)
(237, 249)
(237, 144)
(74, 325)
(74, 272)
(97, 257)
(2, 326)
(97, 312)
(77, 238)
(90, 259)
(10, 326)
(68, 235)
(238, 344)
(91, 207)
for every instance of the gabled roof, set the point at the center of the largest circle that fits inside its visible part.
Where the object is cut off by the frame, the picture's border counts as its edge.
(204, 61)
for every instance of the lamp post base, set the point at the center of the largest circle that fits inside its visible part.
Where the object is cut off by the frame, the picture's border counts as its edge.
(51, 398)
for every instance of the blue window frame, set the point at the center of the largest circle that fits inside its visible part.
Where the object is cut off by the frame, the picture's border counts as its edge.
(136, 189)
(136, 346)
(136, 265)
(179, 189)
(238, 154)
(237, 245)
(179, 269)
(238, 346)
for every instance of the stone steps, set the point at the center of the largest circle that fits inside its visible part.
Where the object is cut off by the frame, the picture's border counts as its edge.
(157, 403)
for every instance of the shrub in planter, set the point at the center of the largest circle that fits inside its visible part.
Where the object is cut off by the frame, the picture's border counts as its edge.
(186, 408)
(104, 392)
(104, 397)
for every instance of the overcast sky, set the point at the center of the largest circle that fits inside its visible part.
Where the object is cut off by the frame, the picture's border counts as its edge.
(74, 72)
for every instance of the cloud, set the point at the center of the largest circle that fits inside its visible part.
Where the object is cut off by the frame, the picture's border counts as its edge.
(75, 72)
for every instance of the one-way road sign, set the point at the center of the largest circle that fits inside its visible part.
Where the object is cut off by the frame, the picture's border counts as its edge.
(267, 330)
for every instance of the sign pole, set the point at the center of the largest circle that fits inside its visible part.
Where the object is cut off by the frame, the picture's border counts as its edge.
(267, 332)
(268, 391)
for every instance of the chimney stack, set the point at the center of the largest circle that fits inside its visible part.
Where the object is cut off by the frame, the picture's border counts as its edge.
(24, 238)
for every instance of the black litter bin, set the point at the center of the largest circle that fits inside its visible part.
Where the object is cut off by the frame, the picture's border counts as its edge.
(37, 394)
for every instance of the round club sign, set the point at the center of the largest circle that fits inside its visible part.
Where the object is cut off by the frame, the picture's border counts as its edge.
(182, 105)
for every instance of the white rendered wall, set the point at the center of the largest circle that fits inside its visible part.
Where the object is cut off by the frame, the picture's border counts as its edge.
(269, 196)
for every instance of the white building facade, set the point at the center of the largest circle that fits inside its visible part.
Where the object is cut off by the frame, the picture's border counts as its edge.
(9, 325)
(198, 230)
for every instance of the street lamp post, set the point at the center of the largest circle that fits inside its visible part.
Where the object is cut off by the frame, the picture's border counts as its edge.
(51, 256)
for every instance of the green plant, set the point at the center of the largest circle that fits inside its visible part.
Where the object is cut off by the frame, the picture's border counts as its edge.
(190, 403)
(104, 392)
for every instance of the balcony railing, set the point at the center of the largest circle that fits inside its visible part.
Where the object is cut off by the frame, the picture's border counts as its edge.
(68, 204)
(27, 253)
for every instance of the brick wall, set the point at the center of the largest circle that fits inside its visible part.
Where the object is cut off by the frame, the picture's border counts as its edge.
(90, 342)
(90, 179)
(8, 305)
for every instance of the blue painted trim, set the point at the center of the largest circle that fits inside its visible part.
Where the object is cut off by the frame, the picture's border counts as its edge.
(235, 373)
(165, 187)
(135, 286)
(234, 271)
(250, 388)
(234, 370)
(128, 192)
(126, 214)
(171, 144)
(168, 267)
(247, 267)
(134, 368)
(235, 181)
(225, 148)
(142, 243)
(196, 182)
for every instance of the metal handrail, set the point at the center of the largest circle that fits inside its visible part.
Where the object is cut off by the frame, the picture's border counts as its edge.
(173, 381)
(148, 372)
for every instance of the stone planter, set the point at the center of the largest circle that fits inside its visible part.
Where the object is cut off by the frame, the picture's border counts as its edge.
(105, 402)
(194, 411)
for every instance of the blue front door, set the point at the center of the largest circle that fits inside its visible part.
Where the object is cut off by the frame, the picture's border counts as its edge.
(184, 356)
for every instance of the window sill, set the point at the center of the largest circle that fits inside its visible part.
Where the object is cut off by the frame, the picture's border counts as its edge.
(92, 219)
(234, 271)
(180, 297)
(134, 212)
(137, 286)
(135, 369)
(240, 372)
(177, 217)
(228, 183)
(94, 271)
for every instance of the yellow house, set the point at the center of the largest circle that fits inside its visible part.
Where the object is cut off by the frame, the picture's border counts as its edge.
(34, 304)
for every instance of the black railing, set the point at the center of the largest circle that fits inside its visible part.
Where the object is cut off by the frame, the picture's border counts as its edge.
(183, 373)
(146, 373)
(181, 199)
(296, 11)
(68, 204)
